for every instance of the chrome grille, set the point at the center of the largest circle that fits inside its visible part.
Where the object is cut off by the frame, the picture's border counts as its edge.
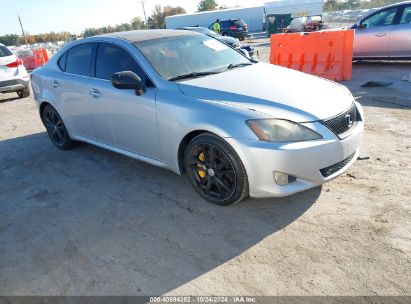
(343, 122)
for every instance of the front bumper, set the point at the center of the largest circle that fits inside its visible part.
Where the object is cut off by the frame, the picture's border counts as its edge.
(13, 85)
(309, 162)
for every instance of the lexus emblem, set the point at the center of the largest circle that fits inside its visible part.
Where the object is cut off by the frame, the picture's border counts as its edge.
(349, 121)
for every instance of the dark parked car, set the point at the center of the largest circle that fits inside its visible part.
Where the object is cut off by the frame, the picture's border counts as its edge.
(231, 41)
(234, 27)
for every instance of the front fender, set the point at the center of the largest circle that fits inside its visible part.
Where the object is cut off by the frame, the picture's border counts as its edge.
(179, 115)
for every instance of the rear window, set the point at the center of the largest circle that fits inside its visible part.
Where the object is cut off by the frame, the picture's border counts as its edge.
(5, 51)
(239, 22)
(225, 23)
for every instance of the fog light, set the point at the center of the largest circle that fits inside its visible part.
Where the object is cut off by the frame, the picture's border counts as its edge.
(283, 179)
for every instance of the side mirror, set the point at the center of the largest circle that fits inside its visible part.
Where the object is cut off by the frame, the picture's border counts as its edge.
(362, 26)
(128, 80)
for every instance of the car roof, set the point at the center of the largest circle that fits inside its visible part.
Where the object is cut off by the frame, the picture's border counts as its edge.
(192, 27)
(396, 4)
(198, 29)
(143, 35)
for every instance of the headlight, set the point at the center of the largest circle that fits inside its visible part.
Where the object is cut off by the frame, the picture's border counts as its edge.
(277, 130)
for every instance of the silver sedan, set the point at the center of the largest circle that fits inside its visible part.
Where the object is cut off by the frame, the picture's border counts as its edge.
(189, 103)
(385, 33)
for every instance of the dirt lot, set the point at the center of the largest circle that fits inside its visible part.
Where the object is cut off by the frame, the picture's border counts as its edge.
(91, 222)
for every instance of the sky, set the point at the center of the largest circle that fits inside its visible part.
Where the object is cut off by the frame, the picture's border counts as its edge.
(43, 16)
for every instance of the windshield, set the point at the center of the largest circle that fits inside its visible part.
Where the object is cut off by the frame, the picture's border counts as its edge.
(172, 57)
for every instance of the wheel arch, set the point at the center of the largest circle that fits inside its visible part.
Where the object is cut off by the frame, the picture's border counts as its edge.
(183, 145)
(42, 105)
(192, 134)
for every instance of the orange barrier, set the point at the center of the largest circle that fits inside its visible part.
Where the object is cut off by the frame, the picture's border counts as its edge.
(327, 54)
(38, 59)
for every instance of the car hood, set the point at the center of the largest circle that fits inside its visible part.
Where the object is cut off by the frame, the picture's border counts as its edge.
(273, 90)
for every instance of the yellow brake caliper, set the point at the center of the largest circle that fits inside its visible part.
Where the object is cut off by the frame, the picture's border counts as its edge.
(201, 157)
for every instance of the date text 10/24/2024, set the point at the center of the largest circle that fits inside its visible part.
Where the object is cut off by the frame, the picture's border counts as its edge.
(202, 299)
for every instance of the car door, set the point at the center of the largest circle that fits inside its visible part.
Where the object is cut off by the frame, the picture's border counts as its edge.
(372, 36)
(72, 90)
(400, 40)
(225, 27)
(120, 117)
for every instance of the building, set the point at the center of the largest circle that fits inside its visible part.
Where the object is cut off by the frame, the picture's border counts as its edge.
(253, 16)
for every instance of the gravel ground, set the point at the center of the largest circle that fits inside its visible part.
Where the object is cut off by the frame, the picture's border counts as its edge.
(91, 222)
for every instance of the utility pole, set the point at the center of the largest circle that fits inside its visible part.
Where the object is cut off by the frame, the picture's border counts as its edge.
(144, 10)
(22, 29)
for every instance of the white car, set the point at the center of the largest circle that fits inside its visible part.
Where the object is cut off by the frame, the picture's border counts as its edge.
(191, 104)
(13, 74)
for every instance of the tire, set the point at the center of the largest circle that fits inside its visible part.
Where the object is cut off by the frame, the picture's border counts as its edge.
(215, 170)
(56, 129)
(24, 93)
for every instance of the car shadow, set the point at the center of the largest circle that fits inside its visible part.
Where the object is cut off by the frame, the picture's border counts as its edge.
(8, 98)
(394, 92)
(92, 222)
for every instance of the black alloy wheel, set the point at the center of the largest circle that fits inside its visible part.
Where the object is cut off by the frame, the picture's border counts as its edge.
(215, 170)
(56, 129)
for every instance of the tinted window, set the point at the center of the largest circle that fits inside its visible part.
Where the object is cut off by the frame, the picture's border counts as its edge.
(385, 17)
(406, 16)
(239, 22)
(62, 62)
(112, 59)
(225, 24)
(5, 51)
(79, 59)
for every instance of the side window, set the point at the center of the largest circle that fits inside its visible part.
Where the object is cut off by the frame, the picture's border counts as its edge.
(225, 24)
(4, 52)
(385, 17)
(406, 16)
(62, 62)
(112, 59)
(79, 59)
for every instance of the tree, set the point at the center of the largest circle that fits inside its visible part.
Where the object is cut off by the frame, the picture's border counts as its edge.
(10, 39)
(137, 24)
(157, 18)
(207, 5)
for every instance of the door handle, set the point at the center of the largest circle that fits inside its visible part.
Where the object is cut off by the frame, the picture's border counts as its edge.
(95, 93)
(381, 34)
(54, 83)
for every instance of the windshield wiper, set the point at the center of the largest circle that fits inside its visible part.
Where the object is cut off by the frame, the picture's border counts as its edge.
(193, 75)
(237, 65)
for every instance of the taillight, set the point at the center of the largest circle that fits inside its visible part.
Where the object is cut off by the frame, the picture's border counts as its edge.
(233, 27)
(15, 64)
